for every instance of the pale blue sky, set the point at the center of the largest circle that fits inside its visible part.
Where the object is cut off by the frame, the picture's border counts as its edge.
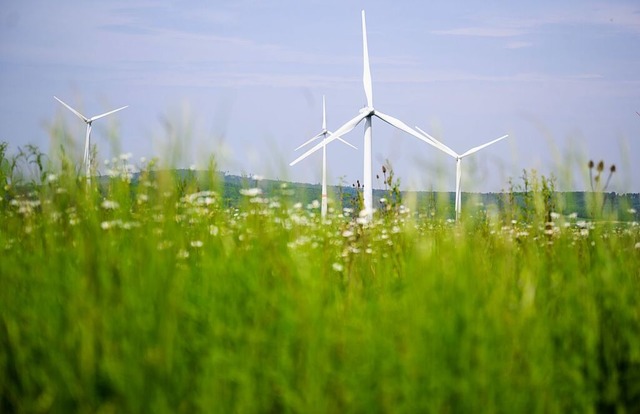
(246, 79)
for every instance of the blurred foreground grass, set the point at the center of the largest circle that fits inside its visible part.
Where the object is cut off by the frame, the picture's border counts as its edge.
(158, 298)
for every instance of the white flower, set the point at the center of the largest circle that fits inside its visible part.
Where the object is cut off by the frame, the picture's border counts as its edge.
(105, 225)
(109, 205)
(337, 267)
(125, 156)
(183, 254)
(251, 192)
(347, 233)
(51, 178)
(554, 216)
(637, 246)
(584, 232)
(383, 200)
(632, 211)
(573, 216)
(213, 230)
(196, 243)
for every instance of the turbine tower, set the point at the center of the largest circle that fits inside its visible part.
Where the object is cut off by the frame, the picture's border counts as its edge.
(87, 141)
(365, 114)
(323, 134)
(459, 157)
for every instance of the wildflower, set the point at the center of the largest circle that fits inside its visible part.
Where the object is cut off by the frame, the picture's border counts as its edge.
(554, 216)
(213, 230)
(105, 225)
(573, 216)
(196, 243)
(632, 211)
(251, 192)
(125, 156)
(337, 267)
(637, 246)
(584, 232)
(51, 178)
(109, 205)
(347, 233)
(315, 204)
(182, 254)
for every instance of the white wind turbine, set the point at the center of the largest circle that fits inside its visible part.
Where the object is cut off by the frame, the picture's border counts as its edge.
(459, 157)
(87, 141)
(367, 114)
(323, 134)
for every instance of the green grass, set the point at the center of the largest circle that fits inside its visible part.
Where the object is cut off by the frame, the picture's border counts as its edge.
(159, 298)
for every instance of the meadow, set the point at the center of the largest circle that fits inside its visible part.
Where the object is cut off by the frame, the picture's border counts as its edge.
(157, 296)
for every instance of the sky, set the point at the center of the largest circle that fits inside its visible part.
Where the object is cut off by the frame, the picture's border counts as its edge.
(243, 81)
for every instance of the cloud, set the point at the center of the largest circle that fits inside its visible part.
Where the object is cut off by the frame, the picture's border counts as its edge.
(481, 32)
(518, 44)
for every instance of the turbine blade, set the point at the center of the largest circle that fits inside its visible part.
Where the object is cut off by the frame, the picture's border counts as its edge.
(310, 141)
(340, 139)
(478, 148)
(78, 114)
(324, 115)
(366, 76)
(442, 147)
(107, 113)
(404, 127)
(347, 127)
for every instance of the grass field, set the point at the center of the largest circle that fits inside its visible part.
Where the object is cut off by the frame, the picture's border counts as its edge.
(158, 298)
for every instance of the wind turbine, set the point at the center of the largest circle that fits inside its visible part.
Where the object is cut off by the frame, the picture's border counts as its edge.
(459, 158)
(87, 141)
(323, 134)
(366, 114)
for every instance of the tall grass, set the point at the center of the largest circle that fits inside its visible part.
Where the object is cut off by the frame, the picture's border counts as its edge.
(156, 297)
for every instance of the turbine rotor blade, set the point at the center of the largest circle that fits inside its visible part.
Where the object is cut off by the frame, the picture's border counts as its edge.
(78, 114)
(342, 140)
(442, 147)
(93, 118)
(366, 76)
(406, 128)
(478, 148)
(310, 141)
(347, 127)
(324, 115)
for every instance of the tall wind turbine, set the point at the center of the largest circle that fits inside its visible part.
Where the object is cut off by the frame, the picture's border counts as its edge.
(459, 157)
(366, 114)
(323, 134)
(87, 141)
